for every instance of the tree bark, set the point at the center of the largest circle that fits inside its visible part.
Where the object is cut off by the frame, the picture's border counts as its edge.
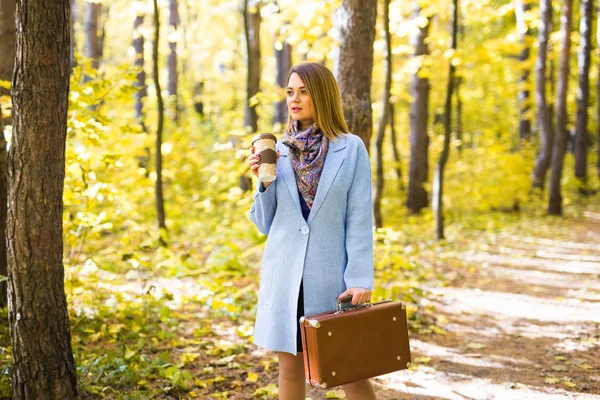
(7, 49)
(546, 130)
(521, 7)
(283, 58)
(383, 120)
(583, 94)
(419, 115)
(92, 44)
(252, 35)
(160, 203)
(438, 184)
(138, 46)
(43, 366)
(355, 64)
(560, 140)
(397, 161)
(72, 32)
(172, 61)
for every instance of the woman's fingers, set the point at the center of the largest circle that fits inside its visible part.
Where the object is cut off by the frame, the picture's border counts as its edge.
(254, 162)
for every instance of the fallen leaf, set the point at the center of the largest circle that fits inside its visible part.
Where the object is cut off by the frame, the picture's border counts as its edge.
(559, 367)
(476, 346)
(551, 379)
(335, 394)
(422, 359)
(569, 384)
(560, 358)
(252, 377)
(584, 366)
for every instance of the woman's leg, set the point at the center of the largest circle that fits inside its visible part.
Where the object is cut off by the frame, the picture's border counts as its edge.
(361, 390)
(291, 376)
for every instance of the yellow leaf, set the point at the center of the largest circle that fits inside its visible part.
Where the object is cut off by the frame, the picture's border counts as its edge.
(551, 379)
(584, 366)
(569, 384)
(252, 377)
(5, 84)
(422, 360)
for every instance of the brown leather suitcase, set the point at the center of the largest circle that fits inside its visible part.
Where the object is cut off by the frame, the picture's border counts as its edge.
(345, 346)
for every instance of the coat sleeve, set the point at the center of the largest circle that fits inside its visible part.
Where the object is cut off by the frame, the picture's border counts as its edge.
(263, 208)
(359, 225)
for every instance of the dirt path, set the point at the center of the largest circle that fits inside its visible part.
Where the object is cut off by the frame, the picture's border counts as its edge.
(522, 321)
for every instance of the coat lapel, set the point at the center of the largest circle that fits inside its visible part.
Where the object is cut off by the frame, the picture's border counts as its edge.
(333, 161)
(287, 173)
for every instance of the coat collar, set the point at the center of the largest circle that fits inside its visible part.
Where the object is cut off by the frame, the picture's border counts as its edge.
(333, 161)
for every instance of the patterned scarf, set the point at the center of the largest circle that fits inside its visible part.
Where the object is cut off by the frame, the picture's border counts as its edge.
(308, 149)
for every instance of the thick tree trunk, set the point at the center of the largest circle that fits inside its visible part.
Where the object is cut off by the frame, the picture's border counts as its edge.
(521, 7)
(546, 130)
(160, 203)
(283, 58)
(92, 43)
(583, 94)
(172, 61)
(560, 140)
(7, 49)
(43, 366)
(138, 46)
(397, 160)
(438, 183)
(419, 115)
(355, 64)
(252, 35)
(383, 120)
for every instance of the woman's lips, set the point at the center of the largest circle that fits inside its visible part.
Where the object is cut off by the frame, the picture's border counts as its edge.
(296, 109)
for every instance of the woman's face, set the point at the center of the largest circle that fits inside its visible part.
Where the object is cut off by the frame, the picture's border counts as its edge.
(299, 103)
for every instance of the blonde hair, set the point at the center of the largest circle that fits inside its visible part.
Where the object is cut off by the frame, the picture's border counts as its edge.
(325, 98)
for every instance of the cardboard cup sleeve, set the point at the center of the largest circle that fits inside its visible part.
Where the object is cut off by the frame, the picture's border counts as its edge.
(264, 144)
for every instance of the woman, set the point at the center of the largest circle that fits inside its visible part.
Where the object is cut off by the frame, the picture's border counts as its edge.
(317, 215)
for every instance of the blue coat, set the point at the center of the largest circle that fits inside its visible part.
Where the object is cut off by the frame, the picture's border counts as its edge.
(331, 251)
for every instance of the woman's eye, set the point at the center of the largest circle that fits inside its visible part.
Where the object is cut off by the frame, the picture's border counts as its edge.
(304, 92)
(289, 93)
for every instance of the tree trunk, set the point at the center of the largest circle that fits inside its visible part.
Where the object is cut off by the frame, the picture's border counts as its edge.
(419, 114)
(172, 61)
(283, 58)
(7, 49)
(546, 130)
(92, 44)
(43, 366)
(160, 203)
(560, 140)
(252, 35)
(438, 183)
(385, 101)
(521, 7)
(583, 94)
(138, 46)
(355, 64)
(397, 161)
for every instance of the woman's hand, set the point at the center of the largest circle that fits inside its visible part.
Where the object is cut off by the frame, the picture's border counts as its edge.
(254, 162)
(359, 295)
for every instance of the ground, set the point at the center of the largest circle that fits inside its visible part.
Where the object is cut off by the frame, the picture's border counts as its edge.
(519, 319)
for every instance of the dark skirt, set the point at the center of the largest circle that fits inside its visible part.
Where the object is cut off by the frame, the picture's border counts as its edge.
(299, 313)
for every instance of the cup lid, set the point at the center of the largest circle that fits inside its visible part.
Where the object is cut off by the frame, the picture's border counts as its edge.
(264, 136)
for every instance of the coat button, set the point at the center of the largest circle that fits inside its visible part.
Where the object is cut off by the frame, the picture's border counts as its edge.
(304, 229)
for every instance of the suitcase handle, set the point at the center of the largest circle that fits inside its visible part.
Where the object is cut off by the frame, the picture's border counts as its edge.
(345, 304)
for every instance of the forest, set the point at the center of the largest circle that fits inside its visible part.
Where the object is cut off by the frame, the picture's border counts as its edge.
(131, 268)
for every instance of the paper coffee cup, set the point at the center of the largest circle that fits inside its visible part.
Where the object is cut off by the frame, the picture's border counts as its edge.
(264, 144)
